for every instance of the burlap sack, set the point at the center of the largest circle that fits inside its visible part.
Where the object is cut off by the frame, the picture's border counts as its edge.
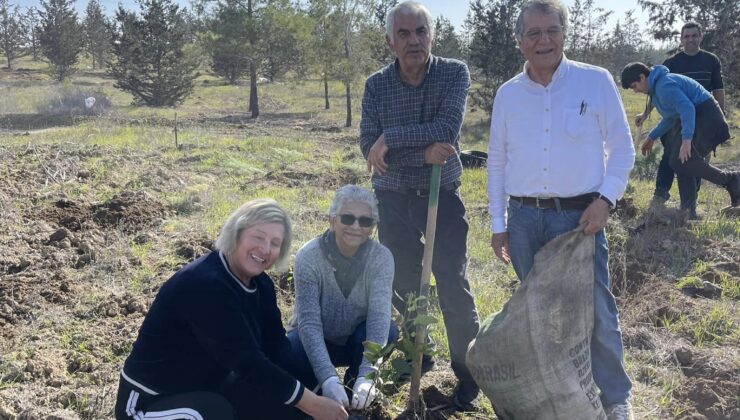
(532, 359)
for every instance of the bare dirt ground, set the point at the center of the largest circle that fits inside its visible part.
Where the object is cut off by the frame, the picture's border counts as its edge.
(78, 270)
(66, 319)
(66, 322)
(667, 327)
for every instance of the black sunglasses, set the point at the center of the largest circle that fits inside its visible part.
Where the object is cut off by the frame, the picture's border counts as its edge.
(349, 220)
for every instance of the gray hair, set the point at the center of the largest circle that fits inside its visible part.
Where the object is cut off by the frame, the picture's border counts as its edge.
(408, 7)
(250, 214)
(357, 194)
(545, 7)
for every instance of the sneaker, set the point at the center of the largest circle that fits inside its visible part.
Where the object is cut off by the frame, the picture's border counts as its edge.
(691, 213)
(464, 395)
(661, 193)
(693, 216)
(620, 412)
(733, 187)
(658, 202)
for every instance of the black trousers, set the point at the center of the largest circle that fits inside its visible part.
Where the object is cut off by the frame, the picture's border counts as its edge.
(665, 174)
(401, 228)
(237, 400)
(710, 130)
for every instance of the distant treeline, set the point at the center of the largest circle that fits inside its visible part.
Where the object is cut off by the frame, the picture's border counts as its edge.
(155, 52)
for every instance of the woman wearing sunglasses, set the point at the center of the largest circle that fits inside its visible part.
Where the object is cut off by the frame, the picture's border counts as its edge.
(343, 287)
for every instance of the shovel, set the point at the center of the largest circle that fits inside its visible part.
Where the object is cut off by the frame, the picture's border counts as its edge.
(426, 272)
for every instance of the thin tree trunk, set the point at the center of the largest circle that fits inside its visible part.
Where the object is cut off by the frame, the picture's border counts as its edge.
(326, 91)
(348, 76)
(33, 47)
(254, 107)
(348, 86)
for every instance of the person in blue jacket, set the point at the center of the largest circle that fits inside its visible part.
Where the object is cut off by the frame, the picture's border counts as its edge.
(703, 125)
(212, 345)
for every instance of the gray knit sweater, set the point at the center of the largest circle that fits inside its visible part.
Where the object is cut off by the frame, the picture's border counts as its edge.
(322, 312)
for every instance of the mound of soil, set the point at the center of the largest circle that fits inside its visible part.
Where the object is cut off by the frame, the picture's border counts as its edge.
(78, 270)
(130, 211)
(661, 322)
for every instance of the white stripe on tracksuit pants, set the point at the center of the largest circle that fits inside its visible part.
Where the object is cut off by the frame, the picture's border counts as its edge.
(183, 413)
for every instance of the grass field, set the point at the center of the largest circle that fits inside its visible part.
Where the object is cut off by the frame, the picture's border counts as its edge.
(132, 207)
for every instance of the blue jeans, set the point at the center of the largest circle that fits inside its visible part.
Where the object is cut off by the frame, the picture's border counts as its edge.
(529, 230)
(350, 355)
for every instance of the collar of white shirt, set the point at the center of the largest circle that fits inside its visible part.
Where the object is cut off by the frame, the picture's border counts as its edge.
(562, 140)
(560, 72)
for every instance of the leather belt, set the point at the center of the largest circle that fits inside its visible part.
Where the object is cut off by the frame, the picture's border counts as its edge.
(424, 192)
(579, 202)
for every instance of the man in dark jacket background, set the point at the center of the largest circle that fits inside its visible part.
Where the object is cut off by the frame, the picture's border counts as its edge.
(705, 68)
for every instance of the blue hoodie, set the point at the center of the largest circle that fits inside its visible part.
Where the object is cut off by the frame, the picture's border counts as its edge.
(675, 97)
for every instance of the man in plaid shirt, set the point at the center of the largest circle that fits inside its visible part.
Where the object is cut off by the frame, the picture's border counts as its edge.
(412, 111)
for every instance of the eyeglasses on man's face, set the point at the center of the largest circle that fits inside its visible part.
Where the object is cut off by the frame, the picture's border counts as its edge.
(363, 221)
(535, 34)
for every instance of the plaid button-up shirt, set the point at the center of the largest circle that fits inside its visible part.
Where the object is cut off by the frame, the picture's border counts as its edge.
(413, 117)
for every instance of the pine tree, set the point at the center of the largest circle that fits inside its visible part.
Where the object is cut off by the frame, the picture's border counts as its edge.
(149, 58)
(228, 41)
(586, 37)
(97, 33)
(447, 43)
(272, 38)
(623, 45)
(380, 12)
(60, 37)
(326, 42)
(284, 34)
(31, 18)
(379, 50)
(355, 18)
(12, 32)
(493, 49)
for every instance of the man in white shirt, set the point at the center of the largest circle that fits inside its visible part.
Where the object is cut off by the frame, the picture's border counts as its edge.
(561, 150)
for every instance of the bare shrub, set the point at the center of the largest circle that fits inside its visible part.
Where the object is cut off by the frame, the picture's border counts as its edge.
(74, 101)
(646, 168)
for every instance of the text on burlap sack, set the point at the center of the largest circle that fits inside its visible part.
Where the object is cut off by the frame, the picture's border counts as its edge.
(580, 355)
(495, 373)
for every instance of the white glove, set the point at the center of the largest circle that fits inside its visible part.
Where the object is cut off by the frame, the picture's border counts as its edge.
(363, 394)
(332, 388)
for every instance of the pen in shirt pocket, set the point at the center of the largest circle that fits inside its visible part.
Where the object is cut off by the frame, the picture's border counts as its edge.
(584, 107)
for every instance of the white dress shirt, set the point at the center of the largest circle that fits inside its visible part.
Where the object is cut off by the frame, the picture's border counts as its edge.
(562, 140)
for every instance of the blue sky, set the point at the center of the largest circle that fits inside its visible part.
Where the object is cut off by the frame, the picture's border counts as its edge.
(454, 10)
